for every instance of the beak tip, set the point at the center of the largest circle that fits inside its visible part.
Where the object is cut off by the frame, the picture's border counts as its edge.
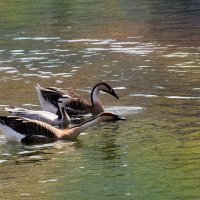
(122, 118)
(115, 95)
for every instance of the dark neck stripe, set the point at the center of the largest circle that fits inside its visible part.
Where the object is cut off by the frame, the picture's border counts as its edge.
(98, 84)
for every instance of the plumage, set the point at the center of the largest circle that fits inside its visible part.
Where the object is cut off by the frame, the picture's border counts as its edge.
(37, 139)
(48, 98)
(36, 132)
(62, 119)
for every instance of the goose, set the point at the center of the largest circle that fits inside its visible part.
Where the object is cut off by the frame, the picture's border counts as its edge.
(48, 98)
(29, 131)
(61, 120)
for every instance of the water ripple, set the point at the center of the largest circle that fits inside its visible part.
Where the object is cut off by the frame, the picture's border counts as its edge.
(29, 59)
(124, 110)
(181, 97)
(121, 47)
(7, 68)
(35, 75)
(36, 38)
(143, 95)
(98, 41)
(179, 54)
(3, 161)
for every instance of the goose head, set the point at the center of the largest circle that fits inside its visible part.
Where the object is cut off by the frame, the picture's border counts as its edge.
(107, 116)
(105, 87)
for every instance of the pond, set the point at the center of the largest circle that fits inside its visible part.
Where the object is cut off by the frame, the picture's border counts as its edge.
(149, 52)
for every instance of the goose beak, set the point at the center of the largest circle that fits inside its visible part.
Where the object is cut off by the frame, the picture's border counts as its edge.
(117, 117)
(114, 94)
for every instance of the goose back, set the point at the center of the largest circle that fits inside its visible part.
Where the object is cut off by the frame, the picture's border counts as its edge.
(27, 127)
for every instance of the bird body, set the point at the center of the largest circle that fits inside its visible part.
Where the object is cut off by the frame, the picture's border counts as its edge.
(48, 99)
(43, 116)
(62, 119)
(36, 132)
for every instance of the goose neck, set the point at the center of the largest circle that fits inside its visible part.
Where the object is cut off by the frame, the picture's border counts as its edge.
(62, 114)
(96, 102)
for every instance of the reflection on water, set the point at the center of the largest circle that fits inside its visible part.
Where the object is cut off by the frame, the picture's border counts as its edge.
(149, 52)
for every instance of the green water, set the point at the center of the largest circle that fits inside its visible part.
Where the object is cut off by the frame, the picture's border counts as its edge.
(149, 52)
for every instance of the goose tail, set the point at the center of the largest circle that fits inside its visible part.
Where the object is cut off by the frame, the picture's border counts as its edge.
(12, 109)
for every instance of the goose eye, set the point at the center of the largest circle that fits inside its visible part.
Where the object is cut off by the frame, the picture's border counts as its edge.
(59, 101)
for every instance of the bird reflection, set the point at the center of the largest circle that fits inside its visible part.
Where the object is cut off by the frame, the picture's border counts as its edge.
(110, 149)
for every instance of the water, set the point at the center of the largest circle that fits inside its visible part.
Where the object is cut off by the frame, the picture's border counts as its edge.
(149, 52)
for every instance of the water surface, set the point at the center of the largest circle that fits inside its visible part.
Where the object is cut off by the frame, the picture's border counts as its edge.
(149, 52)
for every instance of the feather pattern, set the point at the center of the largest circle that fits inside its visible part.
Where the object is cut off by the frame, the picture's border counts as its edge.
(28, 127)
(62, 119)
(50, 96)
(37, 139)
(32, 131)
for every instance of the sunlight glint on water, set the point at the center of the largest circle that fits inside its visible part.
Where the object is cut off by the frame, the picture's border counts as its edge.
(149, 52)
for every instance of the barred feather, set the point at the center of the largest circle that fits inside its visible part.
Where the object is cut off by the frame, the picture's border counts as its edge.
(33, 131)
(52, 94)
(36, 139)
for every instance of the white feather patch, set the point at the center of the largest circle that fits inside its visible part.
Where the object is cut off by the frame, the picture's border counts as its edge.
(11, 135)
(45, 104)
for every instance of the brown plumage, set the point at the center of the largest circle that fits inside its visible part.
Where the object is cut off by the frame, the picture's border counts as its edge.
(48, 98)
(36, 132)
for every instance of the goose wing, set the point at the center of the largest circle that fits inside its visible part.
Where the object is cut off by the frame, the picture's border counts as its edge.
(43, 116)
(52, 95)
(77, 105)
(63, 92)
(37, 139)
(28, 127)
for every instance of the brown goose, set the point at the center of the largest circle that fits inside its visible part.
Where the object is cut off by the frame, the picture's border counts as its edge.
(48, 98)
(28, 131)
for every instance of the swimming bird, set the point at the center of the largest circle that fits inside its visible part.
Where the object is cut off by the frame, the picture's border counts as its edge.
(28, 131)
(48, 98)
(61, 120)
